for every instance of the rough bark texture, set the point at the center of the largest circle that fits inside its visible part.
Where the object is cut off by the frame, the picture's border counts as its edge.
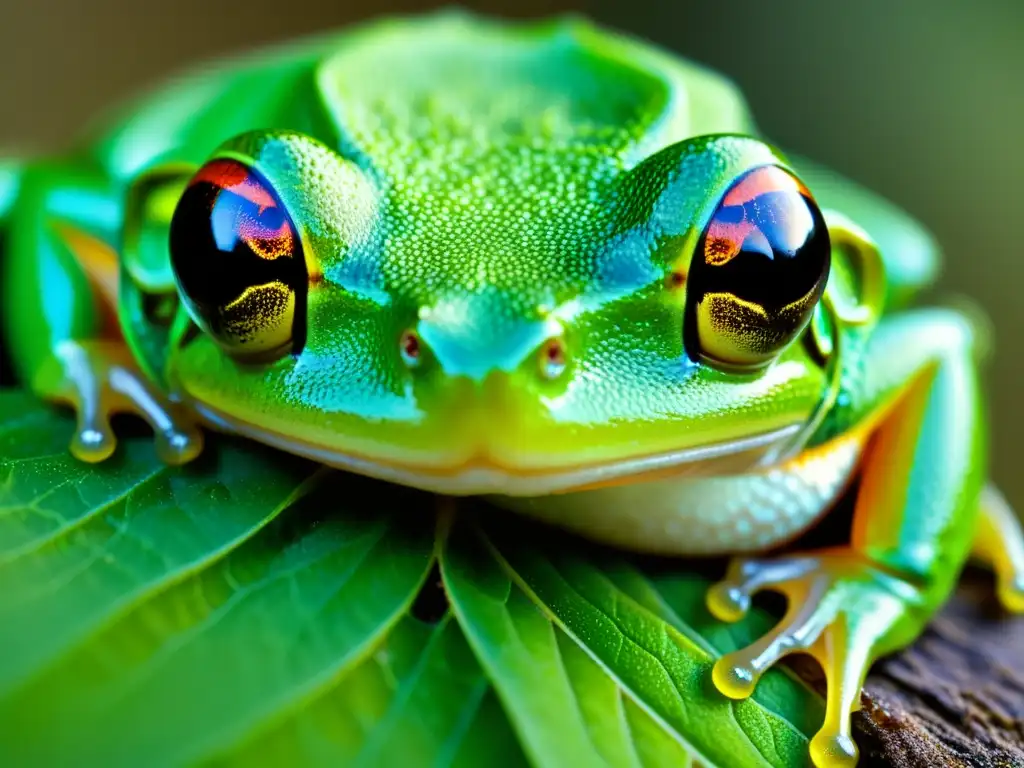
(955, 698)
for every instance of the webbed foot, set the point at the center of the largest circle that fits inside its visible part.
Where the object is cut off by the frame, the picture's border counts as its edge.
(841, 610)
(99, 379)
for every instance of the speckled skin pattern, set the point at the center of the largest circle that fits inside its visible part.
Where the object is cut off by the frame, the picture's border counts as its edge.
(485, 286)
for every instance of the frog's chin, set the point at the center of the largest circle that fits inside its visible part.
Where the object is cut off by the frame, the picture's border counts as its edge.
(484, 478)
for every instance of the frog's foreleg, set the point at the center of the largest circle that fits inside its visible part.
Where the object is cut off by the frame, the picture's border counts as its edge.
(915, 516)
(60, 297)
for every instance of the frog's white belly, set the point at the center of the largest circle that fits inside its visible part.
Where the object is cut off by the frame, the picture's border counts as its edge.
(706, 515)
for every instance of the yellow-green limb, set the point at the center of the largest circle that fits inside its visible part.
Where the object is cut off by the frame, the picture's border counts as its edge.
(915, 519)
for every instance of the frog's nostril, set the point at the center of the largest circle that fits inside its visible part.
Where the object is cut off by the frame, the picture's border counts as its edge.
(409, 345)
(552, 358)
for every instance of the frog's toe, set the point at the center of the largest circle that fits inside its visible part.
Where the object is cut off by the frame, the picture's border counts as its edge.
(1011, 592)
(840, 610)
(729, 599)
(844, 662)
(736, 674)
(178, 439)
(100, 380)
(177, 446)
(93, 440)
(844, 650)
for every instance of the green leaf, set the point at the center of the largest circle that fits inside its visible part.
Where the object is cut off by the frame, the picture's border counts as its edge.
(518, 647)
(418, 700)
(557, 633)
(677, 597)
(256, 609)
(79, 544)
(185, 621)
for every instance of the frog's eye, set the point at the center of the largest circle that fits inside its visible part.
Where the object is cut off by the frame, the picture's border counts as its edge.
(238, 261)
(759, 270)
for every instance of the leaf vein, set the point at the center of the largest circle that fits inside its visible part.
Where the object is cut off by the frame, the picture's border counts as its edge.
(673, 733)
(664, 628)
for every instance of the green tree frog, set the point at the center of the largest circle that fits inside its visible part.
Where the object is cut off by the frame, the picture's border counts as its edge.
(544, 263)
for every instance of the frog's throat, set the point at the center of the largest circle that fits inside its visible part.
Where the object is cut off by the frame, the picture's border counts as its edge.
(478, 478)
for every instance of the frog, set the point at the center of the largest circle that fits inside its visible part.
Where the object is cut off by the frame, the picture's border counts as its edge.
(541, 262)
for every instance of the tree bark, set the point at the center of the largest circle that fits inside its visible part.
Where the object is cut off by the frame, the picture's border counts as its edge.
(955, 697)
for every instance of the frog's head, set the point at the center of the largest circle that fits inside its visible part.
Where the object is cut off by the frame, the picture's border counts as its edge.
(519, 324)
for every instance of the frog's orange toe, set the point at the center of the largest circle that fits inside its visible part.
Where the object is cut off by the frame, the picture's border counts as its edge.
(729, 599)
(841, 610)
(736, 674)
(728, 602)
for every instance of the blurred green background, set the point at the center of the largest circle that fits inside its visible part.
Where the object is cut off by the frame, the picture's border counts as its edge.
(922, 100)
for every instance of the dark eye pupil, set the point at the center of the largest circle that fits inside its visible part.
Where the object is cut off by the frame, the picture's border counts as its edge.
(767, 243)
(760, 268)
(230, 233)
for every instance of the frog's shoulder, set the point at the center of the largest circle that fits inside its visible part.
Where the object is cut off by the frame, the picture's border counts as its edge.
(592, 71)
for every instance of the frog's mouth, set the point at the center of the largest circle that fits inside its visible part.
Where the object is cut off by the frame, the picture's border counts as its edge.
(483, 476)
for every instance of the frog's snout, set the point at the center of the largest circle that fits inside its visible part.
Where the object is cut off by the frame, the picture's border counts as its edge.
(475, 360)
(476, 337)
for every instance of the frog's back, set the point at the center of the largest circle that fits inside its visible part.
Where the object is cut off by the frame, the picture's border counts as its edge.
(449, 105)
(434, 85)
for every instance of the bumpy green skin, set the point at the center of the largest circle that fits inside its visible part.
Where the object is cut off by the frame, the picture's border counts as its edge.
(526, 197)
(516, 209)
(492, 187)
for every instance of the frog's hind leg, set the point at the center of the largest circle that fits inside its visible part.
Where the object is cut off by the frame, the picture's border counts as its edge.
(60, 289)
(999, 543)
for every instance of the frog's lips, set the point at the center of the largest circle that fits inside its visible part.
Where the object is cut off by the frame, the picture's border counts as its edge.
(484, 477)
